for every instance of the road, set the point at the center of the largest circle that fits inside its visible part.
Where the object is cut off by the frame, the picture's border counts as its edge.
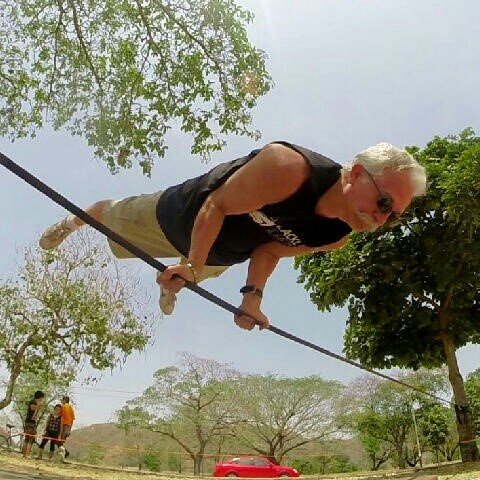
(6, 474)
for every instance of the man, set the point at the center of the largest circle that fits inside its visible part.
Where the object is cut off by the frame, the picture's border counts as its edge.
(31, 421)
(280, 201)
(68, 417)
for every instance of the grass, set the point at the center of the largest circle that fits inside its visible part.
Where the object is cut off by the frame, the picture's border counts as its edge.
(71, 471)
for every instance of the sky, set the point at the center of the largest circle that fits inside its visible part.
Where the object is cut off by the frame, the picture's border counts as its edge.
(348, 74)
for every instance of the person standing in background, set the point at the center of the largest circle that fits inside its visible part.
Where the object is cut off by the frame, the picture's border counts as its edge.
(68, 417)
(53, 429)
(31, 421)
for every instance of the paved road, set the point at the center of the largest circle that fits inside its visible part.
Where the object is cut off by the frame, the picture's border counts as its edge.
(12, 475)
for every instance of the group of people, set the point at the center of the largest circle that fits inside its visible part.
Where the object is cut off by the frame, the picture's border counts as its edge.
(57, 427)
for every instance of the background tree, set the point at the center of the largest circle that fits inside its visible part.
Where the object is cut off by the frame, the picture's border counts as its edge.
(131, 420)
(277, 415)
(436, 424)
(65, 309)
(376, 439)
(413, 292)
(122, 73)
(382, 414)
(190, 403)
(94, 454)
(325, 463)
(472, 387)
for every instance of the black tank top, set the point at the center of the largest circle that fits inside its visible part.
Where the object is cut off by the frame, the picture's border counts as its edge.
(291, 222)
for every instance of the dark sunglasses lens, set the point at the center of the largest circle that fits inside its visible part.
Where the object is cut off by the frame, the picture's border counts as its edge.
(385, 204)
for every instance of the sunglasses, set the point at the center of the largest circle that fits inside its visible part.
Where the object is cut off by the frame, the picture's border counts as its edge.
(385, 205)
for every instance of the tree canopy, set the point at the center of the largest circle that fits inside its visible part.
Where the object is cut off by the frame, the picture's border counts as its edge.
(278, 415)
(381, 414)
(67, 308)
(122, 73)
(413, 292)
(191, 403)
(472, 386)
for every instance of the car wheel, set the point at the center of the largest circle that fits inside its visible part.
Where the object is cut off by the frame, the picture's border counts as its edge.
(231, 475)
(284, 475)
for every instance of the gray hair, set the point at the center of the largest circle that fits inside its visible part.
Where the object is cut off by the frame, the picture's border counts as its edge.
(384, 156)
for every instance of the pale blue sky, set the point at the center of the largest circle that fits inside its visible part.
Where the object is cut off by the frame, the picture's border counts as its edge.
(347, 74)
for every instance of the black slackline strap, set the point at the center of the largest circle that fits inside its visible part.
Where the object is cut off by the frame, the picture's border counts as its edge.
(157, 265)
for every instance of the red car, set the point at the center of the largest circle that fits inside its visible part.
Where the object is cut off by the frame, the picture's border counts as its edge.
(253, 467)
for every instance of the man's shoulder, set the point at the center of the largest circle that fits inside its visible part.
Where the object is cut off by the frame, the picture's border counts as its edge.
(311, 156)
(282, 153)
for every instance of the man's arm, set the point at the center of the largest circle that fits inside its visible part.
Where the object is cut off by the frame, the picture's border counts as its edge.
(262, 264)
(244, 192)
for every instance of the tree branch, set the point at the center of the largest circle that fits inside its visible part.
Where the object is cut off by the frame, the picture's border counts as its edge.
(15, 371)
(81, 40)
(55, 52)
(194, 39)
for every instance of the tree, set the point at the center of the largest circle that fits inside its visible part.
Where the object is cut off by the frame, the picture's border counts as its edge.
(472, 387)
(413, 292)
(67, 308)
(383, 418)
(277, 415)
(131, 420)
(122, 73)
(437, 424)
(152, 460)
(191, 403)
(94, 453)
(373, 434)
(325, 463)
(382, 414)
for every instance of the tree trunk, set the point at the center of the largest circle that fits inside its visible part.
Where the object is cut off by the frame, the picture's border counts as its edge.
(15, 370)
(465, 425)
(139, 457)
(399, 437)
(197, 463)
(400, 457)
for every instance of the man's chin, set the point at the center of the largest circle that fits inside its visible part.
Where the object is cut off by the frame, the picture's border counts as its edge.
(366, 224)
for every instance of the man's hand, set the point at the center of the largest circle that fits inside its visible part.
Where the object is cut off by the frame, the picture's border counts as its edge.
(170, 282)
(251, 306)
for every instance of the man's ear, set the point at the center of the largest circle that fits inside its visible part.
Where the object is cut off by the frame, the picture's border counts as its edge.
(356, 171)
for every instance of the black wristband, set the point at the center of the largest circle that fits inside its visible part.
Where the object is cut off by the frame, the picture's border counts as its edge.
(251, 288)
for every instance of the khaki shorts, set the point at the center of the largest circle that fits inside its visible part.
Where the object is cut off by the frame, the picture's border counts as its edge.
(30, 431)
(135, 219)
